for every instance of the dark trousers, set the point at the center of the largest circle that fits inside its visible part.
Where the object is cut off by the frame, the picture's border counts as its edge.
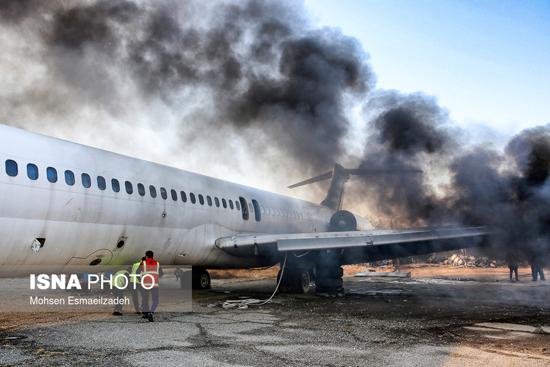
(118, 294)
(144, 300)
(514, 269)
(135, 298)
(540, 272)
(154, 292)
(536, 271)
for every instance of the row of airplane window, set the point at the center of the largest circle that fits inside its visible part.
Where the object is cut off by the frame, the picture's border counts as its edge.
(12, 170)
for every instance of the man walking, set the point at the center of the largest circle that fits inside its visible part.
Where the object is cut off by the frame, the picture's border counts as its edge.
(135, 285)
(150, 273)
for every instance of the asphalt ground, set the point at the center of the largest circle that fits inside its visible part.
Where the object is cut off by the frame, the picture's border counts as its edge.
(419, 321)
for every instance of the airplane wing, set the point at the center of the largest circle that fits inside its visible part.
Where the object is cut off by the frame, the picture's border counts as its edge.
(363, 246)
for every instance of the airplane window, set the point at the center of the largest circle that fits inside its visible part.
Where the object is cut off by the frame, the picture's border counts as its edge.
(115, 184)
(217, 201)
(209, 199)
(174, 195)
(192, 196)
(11, 168)
(141, 189)
(153, 191)
(129, 188)
(101, 183)
(51, 173)
(231, 204)
(237, 205)
(69, 178)
(163, 193)
(32, 171)
(224, 203)
(86, 180)
(183, 196)
(201, 199)
(257, 210)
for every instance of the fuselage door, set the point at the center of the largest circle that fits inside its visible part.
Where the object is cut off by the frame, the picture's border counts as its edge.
(244, 206)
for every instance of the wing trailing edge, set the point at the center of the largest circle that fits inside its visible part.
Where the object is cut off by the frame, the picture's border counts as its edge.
(385, 243)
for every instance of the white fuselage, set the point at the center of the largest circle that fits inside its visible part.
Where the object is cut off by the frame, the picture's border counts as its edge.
(79, 225)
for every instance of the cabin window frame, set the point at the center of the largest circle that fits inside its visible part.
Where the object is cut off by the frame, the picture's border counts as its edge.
(141, 189)
(129, 187)
(115, 185)
(51, 174)
(32, 171)
(101, 183)
(69, 178)
(10, 166)
(86, 180)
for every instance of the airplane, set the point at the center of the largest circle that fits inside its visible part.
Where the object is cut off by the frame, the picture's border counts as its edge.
(66, 206)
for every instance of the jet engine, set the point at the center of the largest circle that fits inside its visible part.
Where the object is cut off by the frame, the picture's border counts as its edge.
(343, 220)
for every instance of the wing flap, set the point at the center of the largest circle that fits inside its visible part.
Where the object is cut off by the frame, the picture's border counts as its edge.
(254, 245)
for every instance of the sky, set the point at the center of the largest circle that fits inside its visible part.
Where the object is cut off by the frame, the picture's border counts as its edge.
(487, 61)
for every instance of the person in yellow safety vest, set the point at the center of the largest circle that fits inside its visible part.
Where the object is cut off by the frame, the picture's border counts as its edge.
(135, 286)
(150, 271)
(119, 282)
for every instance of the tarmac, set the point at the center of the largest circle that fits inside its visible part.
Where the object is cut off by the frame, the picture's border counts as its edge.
(380, 322)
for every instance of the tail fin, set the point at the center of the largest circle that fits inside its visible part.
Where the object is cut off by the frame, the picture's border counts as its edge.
(340, 176)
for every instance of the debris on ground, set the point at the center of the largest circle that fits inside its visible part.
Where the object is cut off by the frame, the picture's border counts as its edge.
(467, 261)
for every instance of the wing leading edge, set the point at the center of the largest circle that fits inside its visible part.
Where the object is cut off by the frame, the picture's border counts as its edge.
(369, 245)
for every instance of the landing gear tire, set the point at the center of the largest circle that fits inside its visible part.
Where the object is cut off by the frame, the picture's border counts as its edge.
(294, 281)
(201, 279)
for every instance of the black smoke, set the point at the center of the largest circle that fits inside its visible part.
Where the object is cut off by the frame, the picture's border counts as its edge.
(508, 189)
(254, 65)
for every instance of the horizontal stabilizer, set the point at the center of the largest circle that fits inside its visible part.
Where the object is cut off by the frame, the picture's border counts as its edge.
(356, 172)
(340, 176)
(324, 176)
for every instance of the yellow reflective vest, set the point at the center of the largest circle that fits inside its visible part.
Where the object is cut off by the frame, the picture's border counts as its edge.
(119, 279)
(135, 280)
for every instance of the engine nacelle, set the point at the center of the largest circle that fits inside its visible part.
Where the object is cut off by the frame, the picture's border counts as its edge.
(343, 221)
(346, 221)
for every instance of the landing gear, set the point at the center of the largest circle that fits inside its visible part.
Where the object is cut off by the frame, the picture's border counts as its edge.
(294, 281)
(200, 279)
(329, 281)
